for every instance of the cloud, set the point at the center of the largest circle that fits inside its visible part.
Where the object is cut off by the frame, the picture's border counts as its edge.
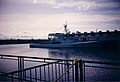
(108, 5)
(79, 5)
(43, 16)
(60, 6)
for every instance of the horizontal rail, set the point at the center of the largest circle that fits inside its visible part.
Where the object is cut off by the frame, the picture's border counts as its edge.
(102, 67)
(26, 60)
(97, 62)
(100, 62)
(2, 55)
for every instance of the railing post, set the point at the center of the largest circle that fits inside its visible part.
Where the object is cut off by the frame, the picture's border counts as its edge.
(21, 67)
(76, 71)
(68, 71)
(81, 71)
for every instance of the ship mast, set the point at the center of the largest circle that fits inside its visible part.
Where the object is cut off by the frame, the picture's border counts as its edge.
(65, 28)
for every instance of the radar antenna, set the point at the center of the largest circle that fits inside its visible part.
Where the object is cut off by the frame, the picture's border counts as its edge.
(65, 28)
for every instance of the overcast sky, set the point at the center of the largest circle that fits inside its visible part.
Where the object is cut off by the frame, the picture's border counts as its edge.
(22, 18)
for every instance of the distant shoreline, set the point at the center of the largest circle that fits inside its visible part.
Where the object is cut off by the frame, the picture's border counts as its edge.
(22, 41)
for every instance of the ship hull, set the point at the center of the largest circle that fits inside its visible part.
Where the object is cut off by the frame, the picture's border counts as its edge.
(104, 44)
(68, 45)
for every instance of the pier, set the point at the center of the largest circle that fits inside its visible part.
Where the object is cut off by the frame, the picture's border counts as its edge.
(58, 70)
(23, 41)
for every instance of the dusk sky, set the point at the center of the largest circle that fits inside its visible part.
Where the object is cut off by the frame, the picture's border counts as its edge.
(38, 18)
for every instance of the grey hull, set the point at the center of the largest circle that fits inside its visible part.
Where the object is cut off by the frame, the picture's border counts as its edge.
(67, 45)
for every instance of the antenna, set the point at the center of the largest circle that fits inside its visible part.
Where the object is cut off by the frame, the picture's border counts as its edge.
(65, 27)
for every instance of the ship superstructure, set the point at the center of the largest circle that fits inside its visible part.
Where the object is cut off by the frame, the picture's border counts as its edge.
(78, 39)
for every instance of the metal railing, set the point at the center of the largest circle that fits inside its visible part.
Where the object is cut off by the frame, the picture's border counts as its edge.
(60, 70)
(101, 71)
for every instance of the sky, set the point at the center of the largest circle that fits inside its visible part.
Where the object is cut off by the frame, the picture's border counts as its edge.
(38, 18)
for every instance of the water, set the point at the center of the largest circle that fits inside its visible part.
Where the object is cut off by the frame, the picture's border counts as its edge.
(94, 54)
(97, 54)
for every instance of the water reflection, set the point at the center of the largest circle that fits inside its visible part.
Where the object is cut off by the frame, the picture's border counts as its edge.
(99, 54)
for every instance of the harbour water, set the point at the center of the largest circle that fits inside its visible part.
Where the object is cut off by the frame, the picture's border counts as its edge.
(91, 54)
(95, 54)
